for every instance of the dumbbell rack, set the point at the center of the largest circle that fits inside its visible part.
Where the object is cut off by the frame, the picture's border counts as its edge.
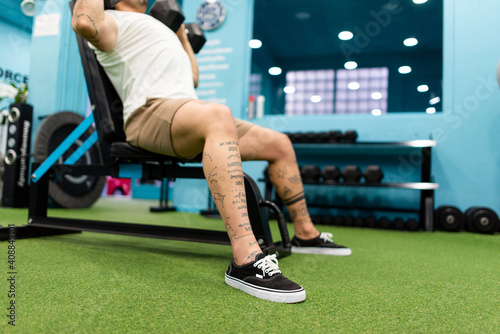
(425, 186)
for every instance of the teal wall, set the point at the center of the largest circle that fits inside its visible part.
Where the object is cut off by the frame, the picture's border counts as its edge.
(56, 75)
(15, 58)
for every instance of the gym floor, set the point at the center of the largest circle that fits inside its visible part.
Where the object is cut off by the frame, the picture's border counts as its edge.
(395, 282)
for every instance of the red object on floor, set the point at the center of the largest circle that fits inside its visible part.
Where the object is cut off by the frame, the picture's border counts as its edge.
(118, 186)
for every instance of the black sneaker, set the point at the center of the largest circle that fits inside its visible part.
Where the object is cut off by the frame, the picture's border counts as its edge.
(322, 244)
(263, 279)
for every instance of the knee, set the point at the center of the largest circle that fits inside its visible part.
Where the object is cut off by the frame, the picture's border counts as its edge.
(220, 119)
(283, 146)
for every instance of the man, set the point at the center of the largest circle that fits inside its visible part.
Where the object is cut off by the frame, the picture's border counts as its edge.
(155, 72)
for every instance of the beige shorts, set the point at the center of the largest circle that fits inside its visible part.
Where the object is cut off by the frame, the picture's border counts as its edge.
(149, 127)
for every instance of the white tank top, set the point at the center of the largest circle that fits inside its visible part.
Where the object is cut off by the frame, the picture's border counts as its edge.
(148, 60)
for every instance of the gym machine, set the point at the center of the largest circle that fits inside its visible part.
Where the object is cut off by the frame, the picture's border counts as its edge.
(120, 159)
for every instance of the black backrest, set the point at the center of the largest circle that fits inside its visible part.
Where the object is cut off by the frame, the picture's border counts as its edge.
(106, 104)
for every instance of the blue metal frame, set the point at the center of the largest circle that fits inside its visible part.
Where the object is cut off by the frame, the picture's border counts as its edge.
(63, 147)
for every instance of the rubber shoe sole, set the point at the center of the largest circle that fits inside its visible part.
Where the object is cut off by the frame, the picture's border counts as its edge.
(278, 296)
(322, 250)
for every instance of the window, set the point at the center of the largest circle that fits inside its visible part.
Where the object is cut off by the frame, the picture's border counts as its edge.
(318, 92)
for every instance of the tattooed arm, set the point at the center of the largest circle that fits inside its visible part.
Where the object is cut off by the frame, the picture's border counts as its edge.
(90, 22)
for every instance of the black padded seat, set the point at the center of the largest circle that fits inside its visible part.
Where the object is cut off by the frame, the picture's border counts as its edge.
(123, 150)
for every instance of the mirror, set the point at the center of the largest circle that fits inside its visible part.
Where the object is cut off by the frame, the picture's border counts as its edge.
(347, 57)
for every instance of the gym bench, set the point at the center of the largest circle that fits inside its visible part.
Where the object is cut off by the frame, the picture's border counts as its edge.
(120, 159)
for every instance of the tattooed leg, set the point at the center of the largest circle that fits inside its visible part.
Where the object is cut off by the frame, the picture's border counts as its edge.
(264, 144)
(211, 128)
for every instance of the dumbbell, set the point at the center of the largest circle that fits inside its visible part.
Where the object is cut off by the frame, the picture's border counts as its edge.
(350, 136)
(384, 223)
(330, 174)
(300, 137)
(359, 222)
(317, 220)
(169, 12)
(334, 136)
(371, 221)
(373, 174)
(328, 220)
(481, 220)
(338, 221)
(195, 36)
(310, 173)
(348, 221)
(398, 224)
(351, 174)
(110, 4)
(412, 225)
(449, 218)
(317, 137)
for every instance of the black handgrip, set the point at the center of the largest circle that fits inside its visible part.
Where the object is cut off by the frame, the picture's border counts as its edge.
(285, 238)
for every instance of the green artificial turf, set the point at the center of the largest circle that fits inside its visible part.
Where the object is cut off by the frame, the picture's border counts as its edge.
(395, 282)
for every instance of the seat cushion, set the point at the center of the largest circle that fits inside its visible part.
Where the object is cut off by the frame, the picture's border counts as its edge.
(123, 150)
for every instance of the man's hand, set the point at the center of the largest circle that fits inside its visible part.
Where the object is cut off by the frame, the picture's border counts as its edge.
(181, 34)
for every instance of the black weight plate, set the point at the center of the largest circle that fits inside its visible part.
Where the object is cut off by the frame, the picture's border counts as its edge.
(449, 218)
(66, 190)
(482, 220)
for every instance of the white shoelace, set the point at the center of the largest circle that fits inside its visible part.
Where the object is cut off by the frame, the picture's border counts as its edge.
(268, 265)
(326, 237)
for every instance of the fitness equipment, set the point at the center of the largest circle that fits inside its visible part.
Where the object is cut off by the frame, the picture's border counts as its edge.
(310, 173)
(449, 218)
(371, 222)
(110, 4)
(351, 174)
(334, 136)
(338, 220)
(300, 137)
(350, 136)
(331, 174)
(348, 221)
(66, 190)
(481, 220)
(168, 12)
(384, 223)
(359, 222)
(412, 225)
(195, 36)
(15, 177)
(120, 159)
(398, 224)
(373, 174)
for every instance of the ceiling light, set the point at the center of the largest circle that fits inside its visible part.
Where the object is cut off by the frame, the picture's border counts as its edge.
(302, 15)
(430, 110)
(353, 85)
(275, 71)
(410, 42)
(376, 95)
(255, 43)
(28, 7)
(315, 99)
(423, 88)
(346, 35)
(350, 65)
(419, 2)
(376, 112)
(404, 69)
(435, 100)
(289, 89)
